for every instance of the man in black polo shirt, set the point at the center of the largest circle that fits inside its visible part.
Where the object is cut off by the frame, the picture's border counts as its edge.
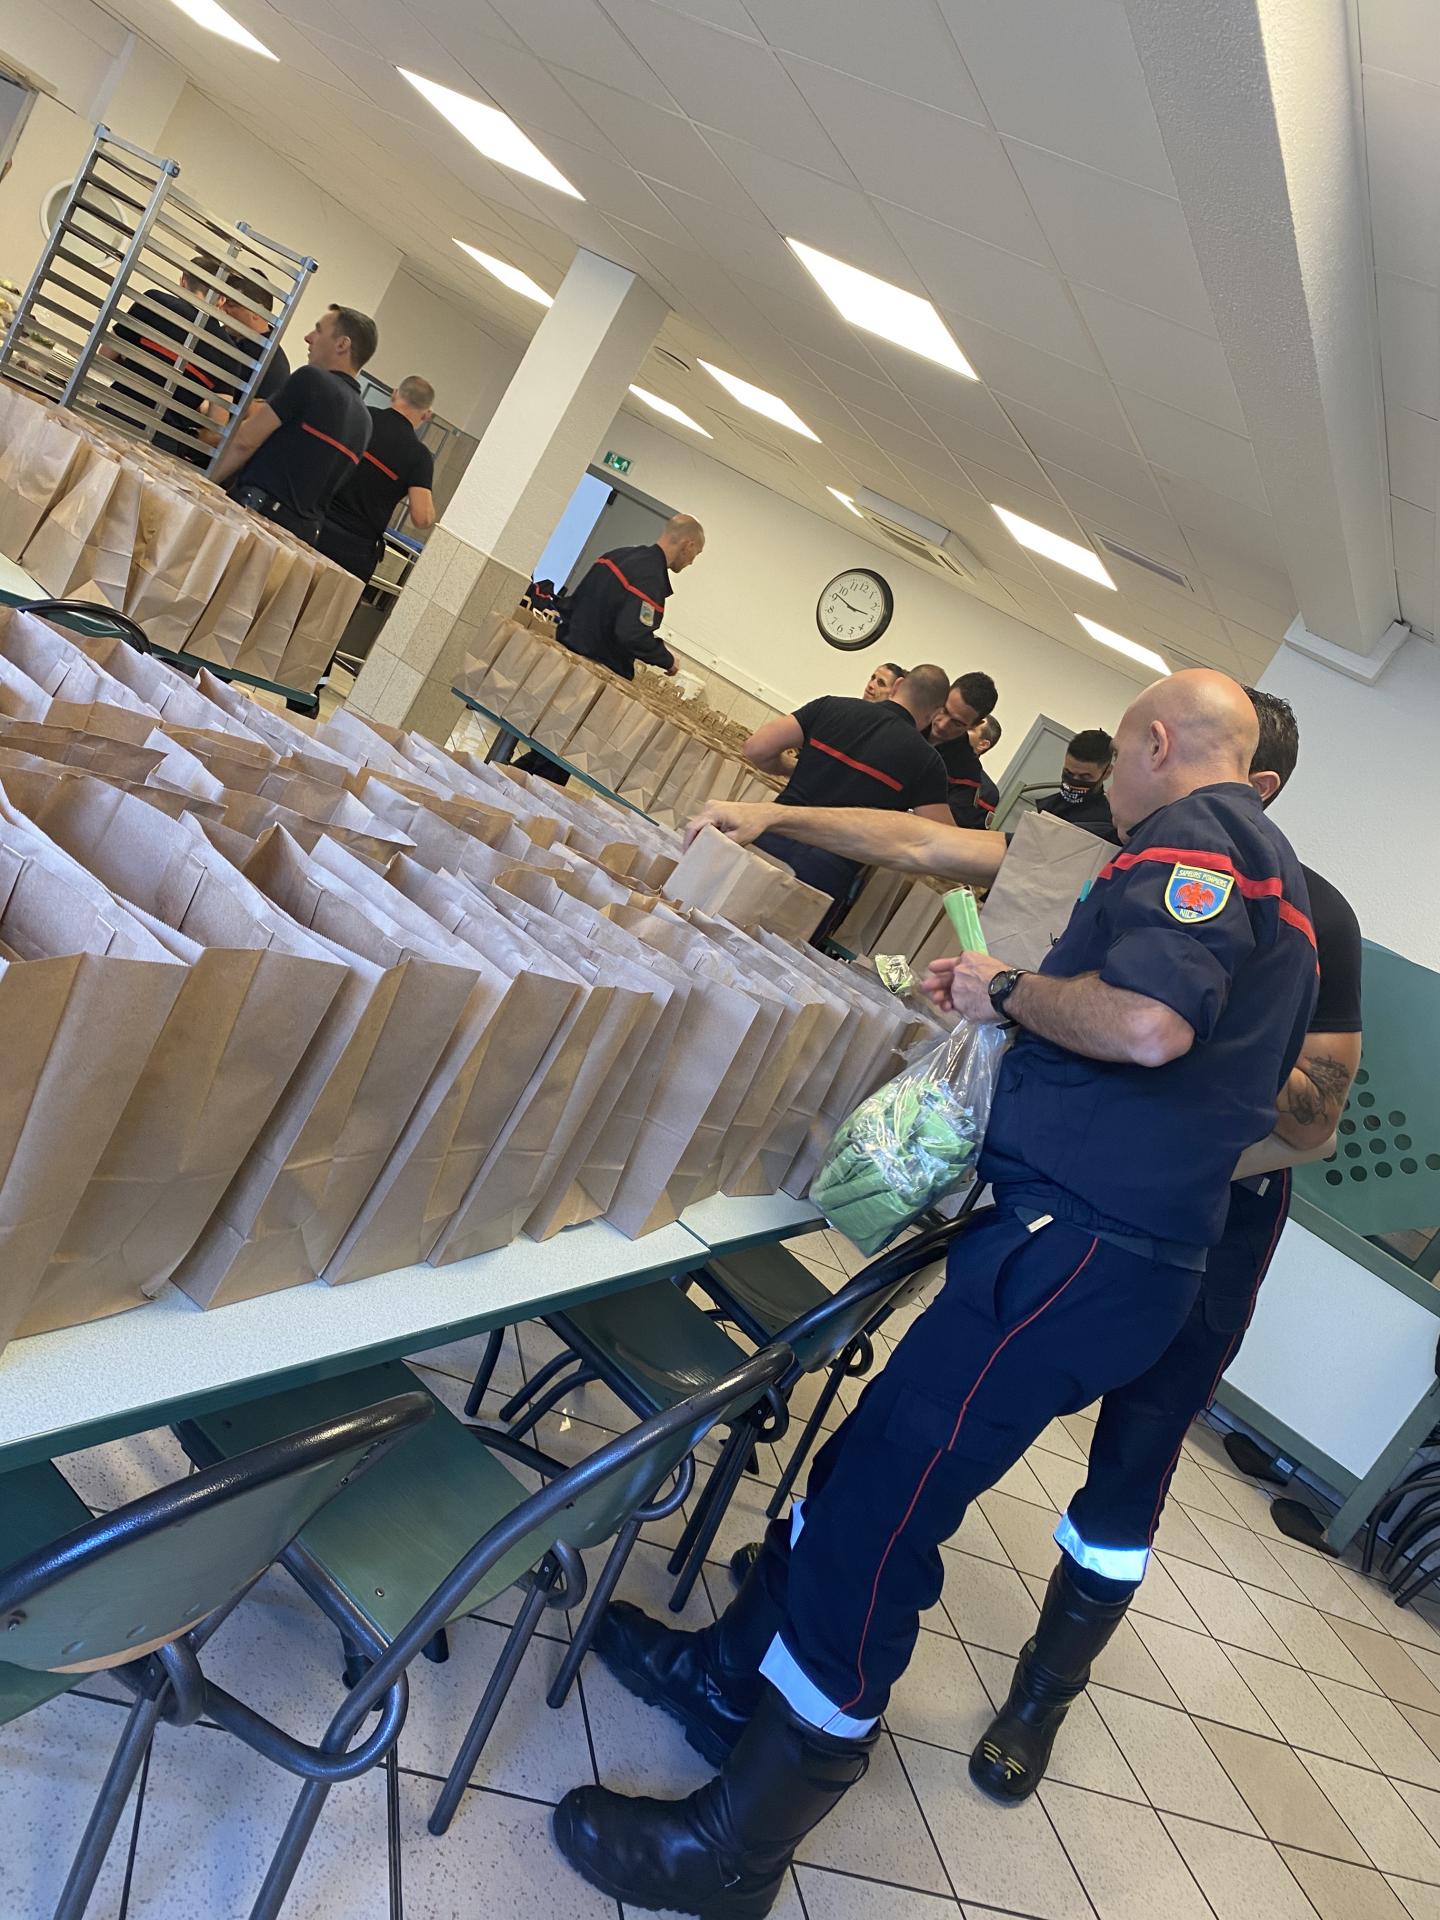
(854, 753)
(396, 465)
(983, 737)
(969, 700)
(1082, 799)
(288, 456)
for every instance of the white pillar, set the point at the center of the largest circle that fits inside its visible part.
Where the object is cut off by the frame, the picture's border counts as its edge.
(540, 439)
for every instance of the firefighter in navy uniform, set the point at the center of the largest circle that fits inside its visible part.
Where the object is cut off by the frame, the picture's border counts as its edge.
(983, 737)
(1149, 1053)
(970, 699)
(1106, 1533)
(614, 615)
(1081, 798)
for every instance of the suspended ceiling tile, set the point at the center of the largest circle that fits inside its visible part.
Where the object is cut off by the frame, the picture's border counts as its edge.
(919, 157)
(837, 219)
(1409, 344)
(902, 46)
(909, 444)
(1150, 532)
(933, 389)
(662, 146)
(996, 288)
(729, 14)
(868, 391)
(1414, 538)
(1111, 234)
(1402, 145)
(737, 86)
(1038, 502)
(1257, 616)
(1224, 462)
(1178, 364)
(740, 245)
(1009, 456)
(1064, 447)
(580, 37)
(1411, 440)
(1073, 394)
(1400, 34)
(1063, 74)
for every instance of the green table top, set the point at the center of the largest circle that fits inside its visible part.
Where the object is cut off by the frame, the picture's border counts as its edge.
(506, 726)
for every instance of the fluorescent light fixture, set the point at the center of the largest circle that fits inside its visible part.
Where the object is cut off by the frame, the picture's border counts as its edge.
(670, 411)
(770, 404)
(1054, 546)
(877, 307)
(846, 501)
(490, 132)
(513, 278)
(1131, 648)
(214, 19)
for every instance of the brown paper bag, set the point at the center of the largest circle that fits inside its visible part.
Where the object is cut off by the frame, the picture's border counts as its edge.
(83, 547)
(334, 595)
(491, 641)
(687, 785)
(651, 767)
(743, 886)
(41, 447)
(547, 675)
(85, 990)
(254, 993)
(223, 624)
(1048, 867)
(913, 920)
(262, 652)
(569, 706)
(509, 671)
(182, 551)
(160, 686)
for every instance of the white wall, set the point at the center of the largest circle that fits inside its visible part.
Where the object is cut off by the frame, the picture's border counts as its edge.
(421, 332)
(1364, 801)
(747, 606)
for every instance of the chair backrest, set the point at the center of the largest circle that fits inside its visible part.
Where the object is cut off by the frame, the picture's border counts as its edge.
(89, 617)
(139, 1577)
(818, 1337)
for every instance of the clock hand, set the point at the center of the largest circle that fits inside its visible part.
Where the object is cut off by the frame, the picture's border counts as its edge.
(847, 603)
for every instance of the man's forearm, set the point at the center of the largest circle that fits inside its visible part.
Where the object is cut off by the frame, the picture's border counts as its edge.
(1099, 1022)
(1313, 1098)
(899, 840)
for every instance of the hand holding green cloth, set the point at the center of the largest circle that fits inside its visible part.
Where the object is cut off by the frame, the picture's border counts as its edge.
(912, 1142)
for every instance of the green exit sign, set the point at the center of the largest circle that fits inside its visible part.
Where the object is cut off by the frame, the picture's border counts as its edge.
(617, 462)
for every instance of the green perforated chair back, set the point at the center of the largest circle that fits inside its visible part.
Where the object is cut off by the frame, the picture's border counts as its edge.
(822, 1334)
(139, 1577)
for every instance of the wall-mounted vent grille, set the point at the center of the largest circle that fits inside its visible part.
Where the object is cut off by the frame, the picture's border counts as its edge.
(1135, 559)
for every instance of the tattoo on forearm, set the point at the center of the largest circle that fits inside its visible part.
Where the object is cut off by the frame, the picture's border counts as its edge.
(1324, 1084)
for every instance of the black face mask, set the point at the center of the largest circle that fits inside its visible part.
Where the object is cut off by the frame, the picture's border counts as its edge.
(1072, 796)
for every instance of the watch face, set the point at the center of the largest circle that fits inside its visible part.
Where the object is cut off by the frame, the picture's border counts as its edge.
(854, 609)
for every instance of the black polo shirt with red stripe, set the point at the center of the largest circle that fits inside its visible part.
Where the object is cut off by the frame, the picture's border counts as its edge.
(964, 782)
(324, 429)
(1204, 909)
(395, 460)
(863, 753)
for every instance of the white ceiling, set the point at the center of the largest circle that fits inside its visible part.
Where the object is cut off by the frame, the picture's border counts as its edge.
(1002, 159)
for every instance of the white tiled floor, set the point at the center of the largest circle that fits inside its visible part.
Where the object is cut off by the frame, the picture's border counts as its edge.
(1261, 1742)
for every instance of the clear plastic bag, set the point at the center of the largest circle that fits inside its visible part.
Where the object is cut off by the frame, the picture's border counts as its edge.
(913, 1141)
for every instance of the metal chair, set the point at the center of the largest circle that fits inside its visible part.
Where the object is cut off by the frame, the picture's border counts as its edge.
(396, 1559)
(139, 1591)
(89, 616)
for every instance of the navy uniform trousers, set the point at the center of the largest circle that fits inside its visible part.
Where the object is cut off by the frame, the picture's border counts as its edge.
(1032, 1321)
(1111, 1521)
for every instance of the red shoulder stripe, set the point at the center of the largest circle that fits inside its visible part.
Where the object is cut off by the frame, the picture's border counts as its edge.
(389, 472)
(330, 441)
(170, 354)
(885, 779)
(1272, 888)
(606, 561)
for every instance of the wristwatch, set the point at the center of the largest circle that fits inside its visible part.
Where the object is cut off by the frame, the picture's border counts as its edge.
(1003, 985)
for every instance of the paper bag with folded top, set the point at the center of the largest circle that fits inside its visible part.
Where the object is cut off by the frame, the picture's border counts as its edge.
(913, 919)
(348, 824)
(222, 625)
(160, 686)
(292, 569)
(333, 596)
(515, 1012)
(744, 886)
(546, 676)
(40, 447)
(595, 735)
(237, 761)
(686, 786)
(255, 990)
(650, 768)
(1049, 866)
(570, 705)
(330, 1134)
(491, 640)
(182, 550)
(83, 547)
(85, 991)
(508, 671)
(472, 779)
(630, 1138)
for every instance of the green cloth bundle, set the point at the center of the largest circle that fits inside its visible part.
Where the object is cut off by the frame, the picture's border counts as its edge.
(912, 1142)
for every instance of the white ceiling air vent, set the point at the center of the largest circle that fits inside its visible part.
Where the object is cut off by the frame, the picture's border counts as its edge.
(916, 537)
(1135, 559)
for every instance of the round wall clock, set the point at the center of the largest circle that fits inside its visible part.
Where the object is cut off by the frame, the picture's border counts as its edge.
(854, 609)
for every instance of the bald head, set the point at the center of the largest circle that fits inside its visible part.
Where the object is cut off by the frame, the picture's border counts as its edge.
(682, 541)
(1195, 729)
(922, 693)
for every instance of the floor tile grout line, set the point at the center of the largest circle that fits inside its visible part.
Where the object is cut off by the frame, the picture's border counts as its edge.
(1261, 1824)
(503, 1793)
(133, 1847)
(924, 1817)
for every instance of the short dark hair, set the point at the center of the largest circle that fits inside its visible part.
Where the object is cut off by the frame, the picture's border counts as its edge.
(990, 727)
(1279, 744)
(978, 691)
(926, 686)
(203, 263)
(416, 392)
(360, 330)
(892, 666)
(1094, 746)
(253, 292)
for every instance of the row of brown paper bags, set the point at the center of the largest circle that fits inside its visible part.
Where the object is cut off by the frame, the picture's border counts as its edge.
(92, 516)
(653, 760)
(239, 1062)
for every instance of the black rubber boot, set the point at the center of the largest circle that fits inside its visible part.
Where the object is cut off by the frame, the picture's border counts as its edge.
(709, 1682)
(1010, 1759)
(721, 1854)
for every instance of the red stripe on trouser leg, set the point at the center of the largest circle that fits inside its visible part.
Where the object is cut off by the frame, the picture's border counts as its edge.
(979, 1381)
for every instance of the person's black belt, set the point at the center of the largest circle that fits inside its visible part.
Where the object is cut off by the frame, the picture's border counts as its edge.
(1164, 1253)
(303, 526)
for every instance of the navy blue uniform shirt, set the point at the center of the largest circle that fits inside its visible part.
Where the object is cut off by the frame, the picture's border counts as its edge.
(616, 611)
(1204, 909)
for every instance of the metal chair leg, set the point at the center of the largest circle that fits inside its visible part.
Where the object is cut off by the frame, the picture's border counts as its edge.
(600, 1598)
(695, 1519)
(538, 1409)
(480, 1385)
(392, 1832)
(491, 1701)
(120, 1777)
(824, 1400)
(557, 1363)
(726, 1478)
(1403, 1594)
(285, 1862)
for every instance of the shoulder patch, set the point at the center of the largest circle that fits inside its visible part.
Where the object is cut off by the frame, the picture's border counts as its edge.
(1196, 893)
(647, 614)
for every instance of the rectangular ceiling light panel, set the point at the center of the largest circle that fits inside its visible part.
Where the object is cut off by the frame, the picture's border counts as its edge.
(1132, 649)
(492, 133)
(214, 19)
(878, 307)
(756, 398)
(512, 277)
(1054, 546)
(670, 411)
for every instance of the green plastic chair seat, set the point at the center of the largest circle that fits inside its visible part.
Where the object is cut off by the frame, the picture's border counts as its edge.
(657, 1340)
(37, 1505)
(389, 1540)
(771, 1285)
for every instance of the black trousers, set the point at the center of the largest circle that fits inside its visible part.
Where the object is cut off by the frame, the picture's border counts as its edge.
(358, 553)
(1031, 1322)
